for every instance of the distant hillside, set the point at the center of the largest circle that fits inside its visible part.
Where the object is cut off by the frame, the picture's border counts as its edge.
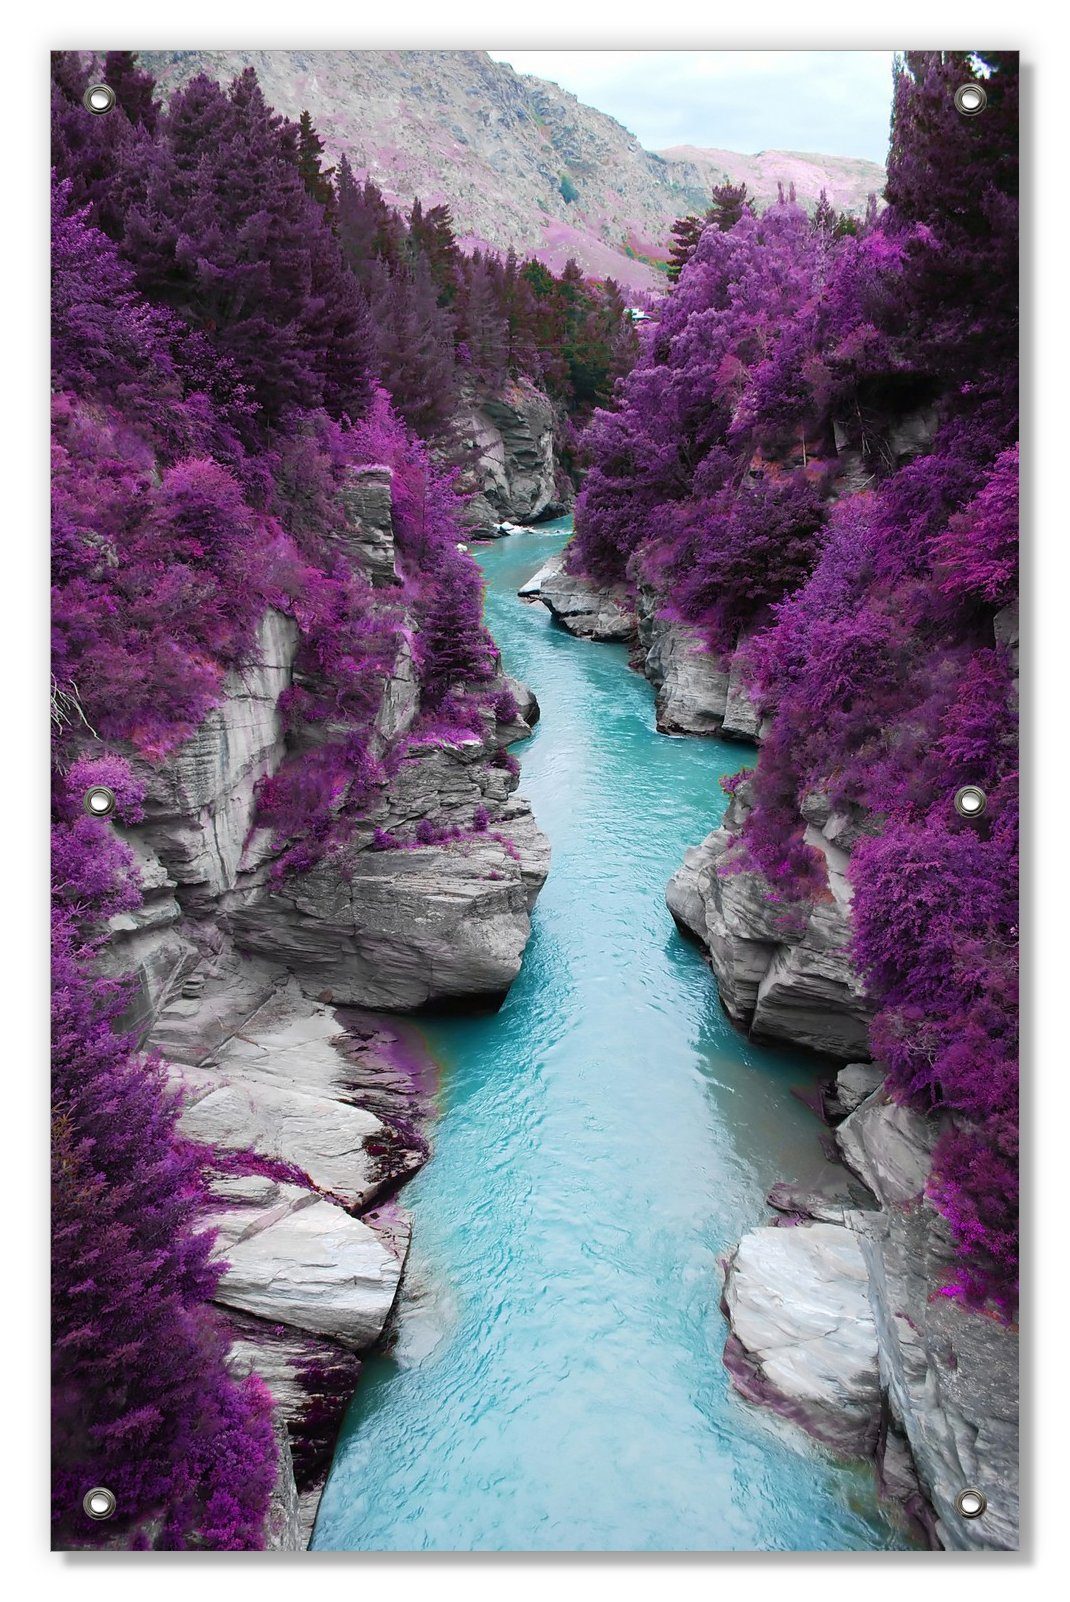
(520, 161)
(848, 181)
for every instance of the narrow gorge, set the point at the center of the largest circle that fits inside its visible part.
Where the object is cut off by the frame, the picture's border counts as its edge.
(837, 1313)
(534, 832)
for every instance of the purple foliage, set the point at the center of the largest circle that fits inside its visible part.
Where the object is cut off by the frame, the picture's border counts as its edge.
(142, 1401)
(213, 391)
(785, 359)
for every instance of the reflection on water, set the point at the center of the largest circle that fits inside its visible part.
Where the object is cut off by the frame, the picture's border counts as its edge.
(604, 1137)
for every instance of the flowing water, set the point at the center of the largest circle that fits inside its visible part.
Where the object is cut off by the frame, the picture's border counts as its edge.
(603, 1138)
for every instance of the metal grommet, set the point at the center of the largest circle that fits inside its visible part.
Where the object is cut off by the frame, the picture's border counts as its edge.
(98, 98)
(970, 801)
(971, 1503)
(970, 99)
(99, 801)
(99, 1503)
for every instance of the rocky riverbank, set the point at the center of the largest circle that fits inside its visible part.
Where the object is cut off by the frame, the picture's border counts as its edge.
(696, 692)
(783, 969)
(246, 981)
(842, 1315)
(841, 1320)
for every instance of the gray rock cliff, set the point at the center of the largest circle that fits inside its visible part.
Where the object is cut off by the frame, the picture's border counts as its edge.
(509, 438)
(784, 971)
(313, 1118)
(845, 1327)
(697, 692)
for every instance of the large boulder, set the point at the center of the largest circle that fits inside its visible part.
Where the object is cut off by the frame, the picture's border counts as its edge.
(947, 1374)
(429, 899)
(805, 1341)
(292, 1257)
(531, 589)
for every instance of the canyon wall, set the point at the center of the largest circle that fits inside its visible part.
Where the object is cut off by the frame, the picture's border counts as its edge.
(841, 1320)
(847, 1322)
(246, 979)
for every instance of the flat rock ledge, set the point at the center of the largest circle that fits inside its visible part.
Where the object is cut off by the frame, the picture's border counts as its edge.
(313, 1117)
(842, 1324)
(586, 609)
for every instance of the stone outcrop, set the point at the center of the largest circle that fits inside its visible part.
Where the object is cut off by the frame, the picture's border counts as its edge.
(697, 692)
(442, 916)
(803, 1333)
(897, 1369)
(312, 1117)
(398, 927)
(279, 1082)
(854, 1083)
(510, 437)
(293, 1257)
(199, 804)
(783, 970)
(532, 589)
(584, 608)
(367, 536)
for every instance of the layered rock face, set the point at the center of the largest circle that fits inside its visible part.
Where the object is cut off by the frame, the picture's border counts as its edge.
(844, 1325)
(783, 970)
(697, 692)
(510, 437)
(313, 1118)
(199, 806)
(400, 927)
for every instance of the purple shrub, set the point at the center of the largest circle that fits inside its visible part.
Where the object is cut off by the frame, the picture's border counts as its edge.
(506, 709)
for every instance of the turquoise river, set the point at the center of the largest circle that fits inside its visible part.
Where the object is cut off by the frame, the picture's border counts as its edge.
(603, 1138)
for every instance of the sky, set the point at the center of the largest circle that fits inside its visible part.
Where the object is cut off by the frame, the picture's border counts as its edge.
(833, 102)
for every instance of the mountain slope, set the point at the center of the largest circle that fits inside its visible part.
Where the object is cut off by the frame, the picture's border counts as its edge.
(848, 181)
(520, 161)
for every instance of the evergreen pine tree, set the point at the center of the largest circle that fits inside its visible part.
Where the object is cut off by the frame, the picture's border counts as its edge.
(315, 177)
